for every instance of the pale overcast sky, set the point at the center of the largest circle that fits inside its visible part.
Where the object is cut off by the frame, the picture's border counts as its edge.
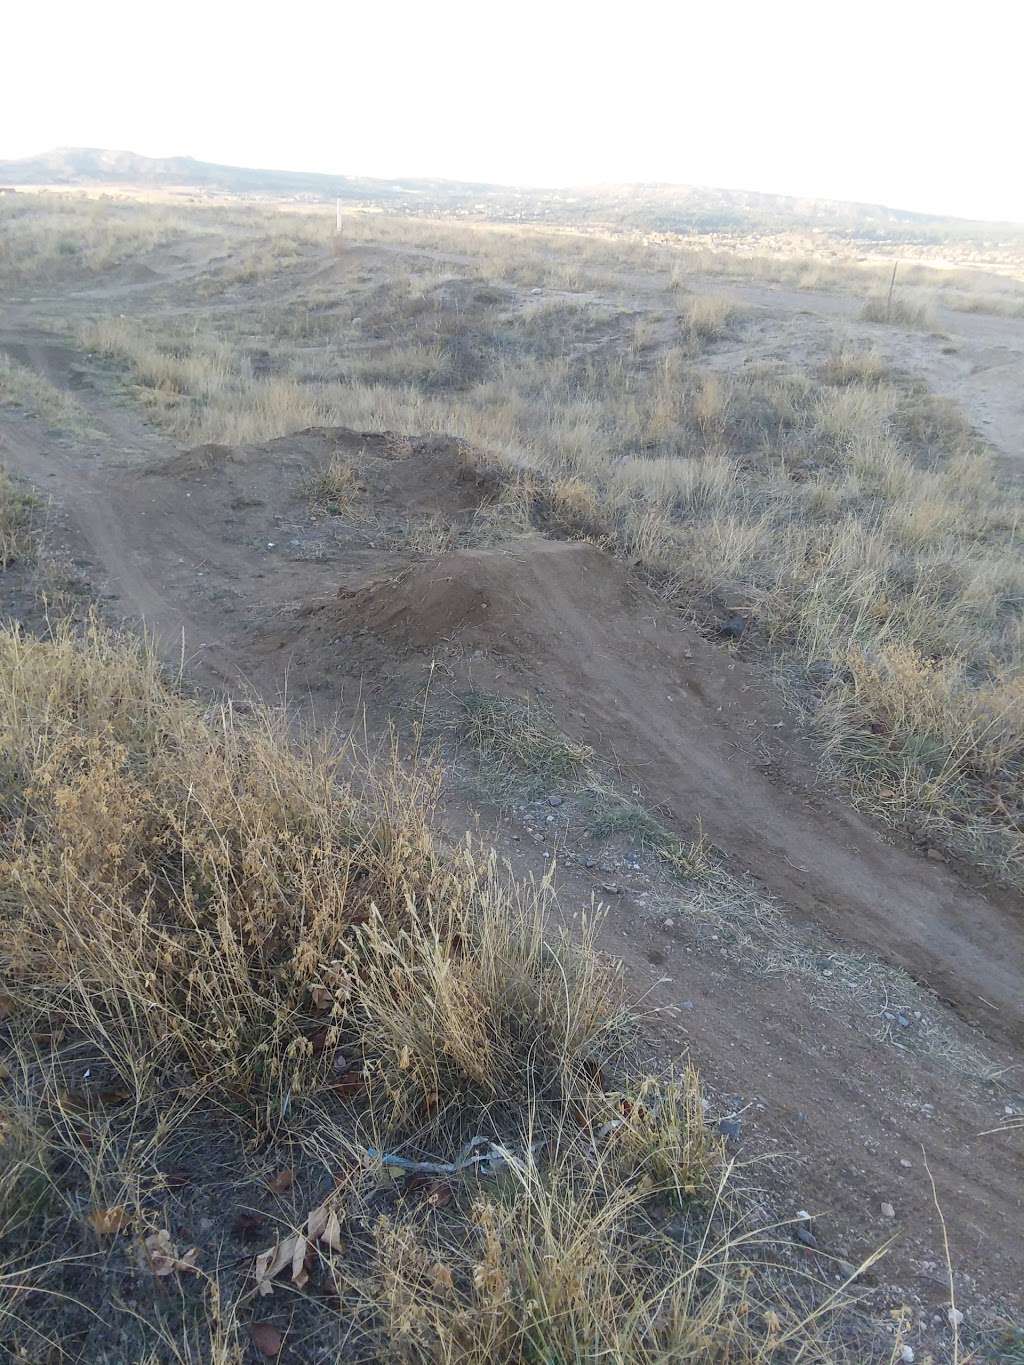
(911, 103)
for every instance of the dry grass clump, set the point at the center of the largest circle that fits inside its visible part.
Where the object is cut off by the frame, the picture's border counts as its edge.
(848, 365)
(900, 311)
(514, 732)
(707, 317)
(23, 388)
(221, 959)
(17, 538)
(335, 487)
(190, 887)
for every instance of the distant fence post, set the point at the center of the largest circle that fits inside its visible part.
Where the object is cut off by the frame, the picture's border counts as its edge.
(892, 286)
(337, 221)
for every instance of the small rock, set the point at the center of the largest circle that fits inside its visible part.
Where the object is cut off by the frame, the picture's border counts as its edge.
(555, 800)
(907, 1355)
(806, 1236)
(955, 1317)
(847, 1269)
(905, 1163)
(610, 889)
(935, 856)
(686, 1005)
(903, 1021)
(888, 1211)
(668, 924)
(730, 1128)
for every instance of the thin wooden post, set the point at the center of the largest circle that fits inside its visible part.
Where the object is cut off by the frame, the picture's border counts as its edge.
(337, 221)
(892, 286)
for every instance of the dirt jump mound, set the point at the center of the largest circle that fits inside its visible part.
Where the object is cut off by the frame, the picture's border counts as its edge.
(506, 600)
(394, 475)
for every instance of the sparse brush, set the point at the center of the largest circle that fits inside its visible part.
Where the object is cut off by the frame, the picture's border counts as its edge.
(611, 814)
(707, 317)
(333, 488)
(17, 537)
(24, 388)
(900, 311)
(514, 732)
(851, 366)
(208, 915)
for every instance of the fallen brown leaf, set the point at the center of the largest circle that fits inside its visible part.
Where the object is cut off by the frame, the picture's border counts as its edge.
(266, 1338)
(108, 1222)
(6, 1006)
(162, 1256)
(298, 1252)
(282, 1182)
(272, 1261)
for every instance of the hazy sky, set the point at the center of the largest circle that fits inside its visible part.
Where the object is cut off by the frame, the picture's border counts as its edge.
(914, 104)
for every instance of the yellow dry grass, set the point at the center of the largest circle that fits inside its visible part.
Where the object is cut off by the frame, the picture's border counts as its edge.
(214, 923)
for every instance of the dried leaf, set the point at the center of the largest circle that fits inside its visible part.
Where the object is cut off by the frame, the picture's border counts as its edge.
(6, 1006)
(271, 1262)
(441, 1278)
(162, 1256)
(315, 1223)
(282, 1182)
(439, 1195)
(108, 1222)
(290, 1252)
(299, 1276)
(332, 1232)
(266, 1338)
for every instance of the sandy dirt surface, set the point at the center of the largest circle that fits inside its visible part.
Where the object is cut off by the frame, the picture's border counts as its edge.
(219, 553)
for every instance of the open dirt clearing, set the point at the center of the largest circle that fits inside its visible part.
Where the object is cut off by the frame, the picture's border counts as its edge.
(224, 558)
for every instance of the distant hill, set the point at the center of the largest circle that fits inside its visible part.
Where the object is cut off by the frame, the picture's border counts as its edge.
(97, 166)
(651, 207)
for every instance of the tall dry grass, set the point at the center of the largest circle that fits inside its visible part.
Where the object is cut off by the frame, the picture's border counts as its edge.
(216, 945)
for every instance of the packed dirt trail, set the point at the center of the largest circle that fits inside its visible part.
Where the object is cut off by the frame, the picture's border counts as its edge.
(196, 547)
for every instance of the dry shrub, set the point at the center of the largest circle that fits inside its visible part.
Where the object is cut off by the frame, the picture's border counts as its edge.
(445, 1024)
(850, 366)
(210, 910)
(190, 887)
(899, 311)
(552, 1267)
(17, 539)
(334, 487)
(707, 317)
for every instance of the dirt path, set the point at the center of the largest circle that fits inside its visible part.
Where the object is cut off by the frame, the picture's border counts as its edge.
(197, 552)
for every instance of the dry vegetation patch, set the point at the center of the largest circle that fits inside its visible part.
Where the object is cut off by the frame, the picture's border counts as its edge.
(238, 990)
(851, 517)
